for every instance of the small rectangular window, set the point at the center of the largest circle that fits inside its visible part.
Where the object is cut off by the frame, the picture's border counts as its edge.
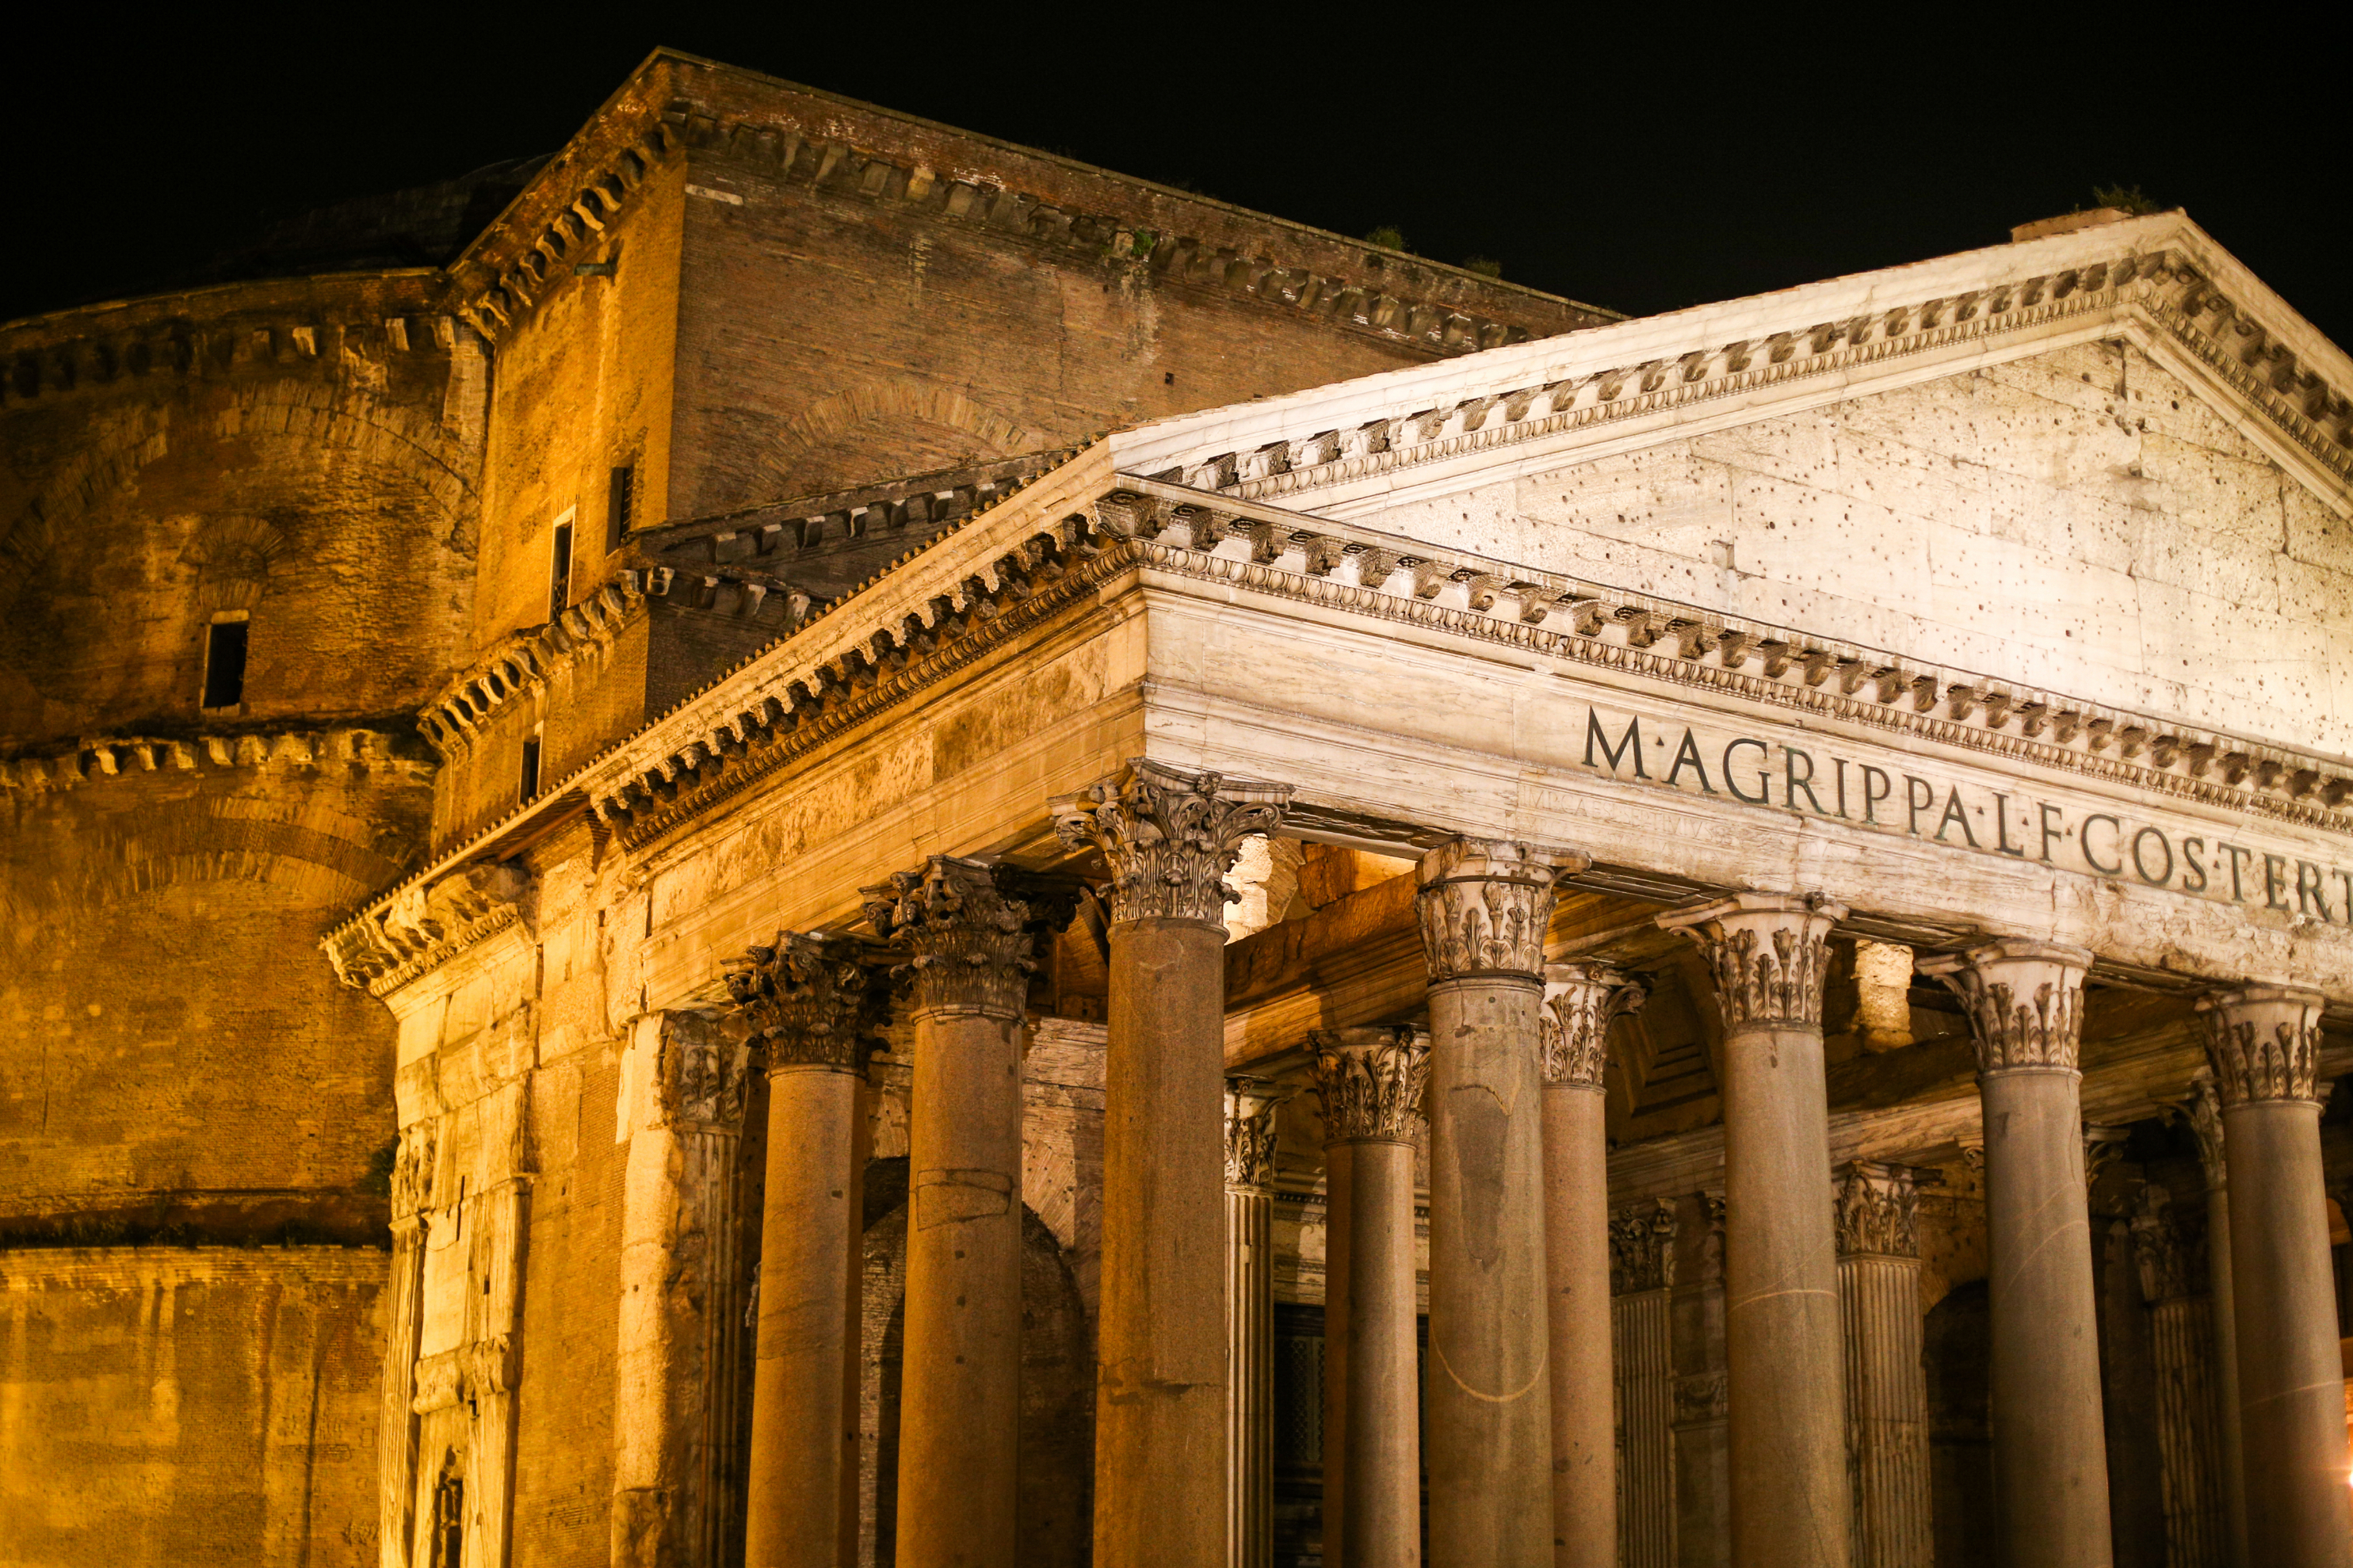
(616, 508)
(225, 664)
(530, 768)
(559, 570)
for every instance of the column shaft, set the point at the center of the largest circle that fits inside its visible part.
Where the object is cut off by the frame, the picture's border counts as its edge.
(1168, 840)
(810, 1002)
(1250, 1106)
(2050, 1444)
(1370, 1083)
(1887, 1387)
(1484, 907)
(1783, 1348)
(2264, 1045)
(2181, 1343)
(2205, 1113)
(1580, 999)
(1642, 1280)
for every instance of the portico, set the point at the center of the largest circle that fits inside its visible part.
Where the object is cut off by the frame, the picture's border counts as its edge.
(1589, 861)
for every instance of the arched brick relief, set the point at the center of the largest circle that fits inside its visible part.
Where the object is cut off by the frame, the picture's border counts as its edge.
(869, 430)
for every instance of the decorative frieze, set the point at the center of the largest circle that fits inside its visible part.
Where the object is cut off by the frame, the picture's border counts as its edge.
(1369, 1083)
(2025, 1000)
(2262, 1042)
(1642, 1248)
(970, 940)
(1877, 1211)
(810, 1001)
(1581, 997)
(1170, 836)
(1485, 904)
(1250, 1106)
(1769, 954)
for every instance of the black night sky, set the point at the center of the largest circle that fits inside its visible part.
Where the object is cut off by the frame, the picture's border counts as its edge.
(1643, 160)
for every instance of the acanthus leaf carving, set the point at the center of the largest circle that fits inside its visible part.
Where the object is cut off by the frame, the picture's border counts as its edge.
(810, 1001)
(1768, 954)
(972, 928)
(2024, 1001)
(1170, 836)
(1486, 905)
(1369, 1083)
(2262, 1043)
(1582, 998)
(1252, 1104)
(1876, 1211)
(1642, 1248)
(702, 1069)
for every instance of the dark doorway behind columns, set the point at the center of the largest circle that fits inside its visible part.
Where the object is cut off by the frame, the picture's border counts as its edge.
(1955, 1340)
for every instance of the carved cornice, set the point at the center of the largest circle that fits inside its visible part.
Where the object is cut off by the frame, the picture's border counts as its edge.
(2263, 1043)
(1170, 836)
(1877, 1212)
(1769, 954)
(1250, 1106)
(1642, 1248)
(971, 942)
(2025, 1001)
(810, 1001)
(464, 1375)
(1485, 904)
(425, 925)
(703, 1071)
(1369, 1083)
(2165, 289)
(95, 761)
(1580, 999)
(2171, 1258)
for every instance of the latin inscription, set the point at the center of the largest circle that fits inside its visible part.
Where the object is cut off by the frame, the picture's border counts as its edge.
(1816, 780)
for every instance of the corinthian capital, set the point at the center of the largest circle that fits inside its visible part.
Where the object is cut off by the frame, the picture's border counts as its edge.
(1250, 1106)
(1369, 1083)
(1877, 1212)
(1768, 952)
(2263, 1042)
(970, 940)
(702, 1069)
(2025, 1001)
(813, 1001)
(1642, 1248)
(1580, 998)
(1485, 904)
(1170, 836)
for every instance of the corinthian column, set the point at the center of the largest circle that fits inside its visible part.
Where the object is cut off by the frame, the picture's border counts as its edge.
(1783, 1348)
(1641, 1285)
(1887, 1387)
(2263, 1043)
(1169, 838)
(1370, 1084)
(812, 1006)
(2050, 1452)
(1250, 1105)
(1485, 907)
(2183, 1338)
(1580, 999)
(960, 1400)
(412, 1196)
(2204, 1110)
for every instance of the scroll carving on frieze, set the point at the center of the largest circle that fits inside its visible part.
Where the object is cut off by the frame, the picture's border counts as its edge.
(2262, 1043)
(1876, 1211)
(1252, 1104)
(2025, 1001)
(1768, 954)
(1701, 1399)
(1642, 1248)
(1369, 1083)
(809, 1000)
(1170, 836)
(1486, 905)
(1582, 998)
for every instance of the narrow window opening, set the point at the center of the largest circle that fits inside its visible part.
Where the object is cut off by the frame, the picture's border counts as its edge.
(225, 664)
(618, 505)
(531, 766)
(559, 573)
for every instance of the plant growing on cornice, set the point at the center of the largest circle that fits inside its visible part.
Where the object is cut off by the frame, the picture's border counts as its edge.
(1389, 237)
(1484, 266)
(2128, 199)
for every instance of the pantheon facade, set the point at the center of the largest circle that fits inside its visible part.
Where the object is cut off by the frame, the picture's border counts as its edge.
(910, 855)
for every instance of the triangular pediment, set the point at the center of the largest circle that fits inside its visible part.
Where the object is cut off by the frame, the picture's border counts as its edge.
(2159, 283)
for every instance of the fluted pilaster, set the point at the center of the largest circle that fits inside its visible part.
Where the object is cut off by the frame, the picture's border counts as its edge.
(1250, 1109)
(1641, 1276)
(1886, 1389)
(2204, 1109)
(2187, 1419)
